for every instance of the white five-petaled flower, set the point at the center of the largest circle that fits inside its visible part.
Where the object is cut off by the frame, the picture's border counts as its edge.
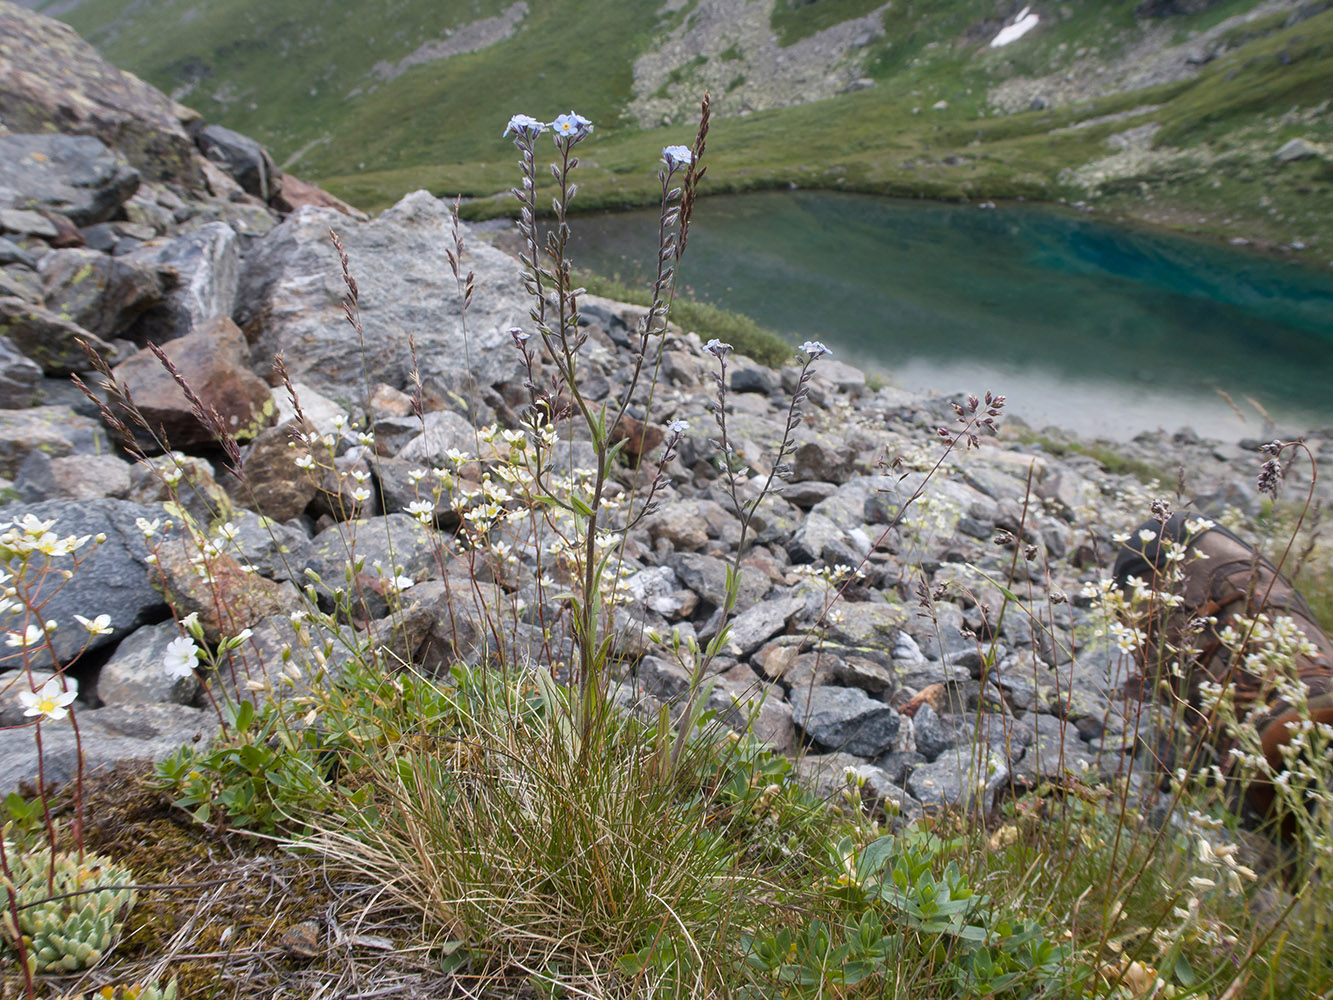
(677, 156)
(678, 427)
(101, 625)
(360, 494)
(51, 701)
(716, 348)
(571, 126)
(30, 636)
(181, 657)
(524, 125)
(815, 349)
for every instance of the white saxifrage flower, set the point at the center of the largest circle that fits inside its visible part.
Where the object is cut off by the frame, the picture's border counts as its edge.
(101, 625)
(51, 701)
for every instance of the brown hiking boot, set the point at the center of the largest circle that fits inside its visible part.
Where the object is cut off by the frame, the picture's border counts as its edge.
(1221, 580)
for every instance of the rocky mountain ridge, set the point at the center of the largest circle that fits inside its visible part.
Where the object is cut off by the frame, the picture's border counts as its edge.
(914, 679)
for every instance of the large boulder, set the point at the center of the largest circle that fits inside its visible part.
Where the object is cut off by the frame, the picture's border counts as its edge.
(50, 77)
(291, 293)
(213, 362)
(74, 175)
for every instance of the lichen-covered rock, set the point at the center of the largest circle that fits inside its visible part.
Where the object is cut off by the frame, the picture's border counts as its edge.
(48, 74)
(74, 175)
(101, 293)
(48, 339)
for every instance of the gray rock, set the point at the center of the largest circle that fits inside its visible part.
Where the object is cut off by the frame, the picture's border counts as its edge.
(846, 719)
(904, 648)
(74, 175)
(102, 294)
(90, 477)
(275, 550)
(806, 494)
(53, 430)
(291, 291)
(19, 377)
(864, 672)
(282, 659)
(1055, 754)
(662, 677)
(49, 339)
(931, 735)
(707, 576)
(396, 544)
(828, 774)
(812, 537)
(12, 253)
(444, 429)
(864, 624)
(48, 74)
(825, 459)
(1297, 149)
(23, 223)
(135, 676)
(959, 779)
(747, 379)
(898, 764)
(245, 160)
(112, 578)
(203, 269)
(109, 735)
(756, 625)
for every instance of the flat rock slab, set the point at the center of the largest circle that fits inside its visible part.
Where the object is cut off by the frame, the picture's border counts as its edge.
(140, 732)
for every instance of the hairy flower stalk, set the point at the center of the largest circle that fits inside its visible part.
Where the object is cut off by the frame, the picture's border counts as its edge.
(547, 277)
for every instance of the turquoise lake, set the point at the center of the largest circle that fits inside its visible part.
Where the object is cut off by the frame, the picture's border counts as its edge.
(1101, 329)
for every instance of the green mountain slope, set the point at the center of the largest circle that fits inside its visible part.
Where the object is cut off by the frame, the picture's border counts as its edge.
(1173, 119)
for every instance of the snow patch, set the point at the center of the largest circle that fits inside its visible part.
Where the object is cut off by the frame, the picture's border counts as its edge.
(1026, 22)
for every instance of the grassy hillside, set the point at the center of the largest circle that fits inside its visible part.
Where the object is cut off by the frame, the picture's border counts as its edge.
(330, 87)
